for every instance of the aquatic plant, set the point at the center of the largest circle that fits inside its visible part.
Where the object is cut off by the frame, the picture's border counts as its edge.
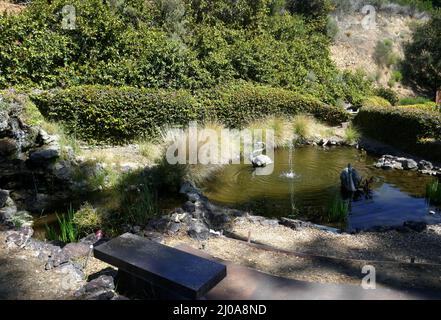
(338, 210)
(67, 229)
(433, 192)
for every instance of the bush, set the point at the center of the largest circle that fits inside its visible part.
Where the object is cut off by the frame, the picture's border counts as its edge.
(423, 57)
(237, 105)
(376, 102)
(384, 55)
(120, 114)
(103, 114)
(399, 126)
(388, 94)
(413, 101)
(180, 44)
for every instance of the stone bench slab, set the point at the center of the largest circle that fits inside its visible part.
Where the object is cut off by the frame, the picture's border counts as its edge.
(168, 268)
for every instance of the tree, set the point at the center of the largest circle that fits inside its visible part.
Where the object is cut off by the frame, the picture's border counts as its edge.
(422, 64)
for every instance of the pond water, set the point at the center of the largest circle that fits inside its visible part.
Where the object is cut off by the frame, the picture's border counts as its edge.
(396, 197)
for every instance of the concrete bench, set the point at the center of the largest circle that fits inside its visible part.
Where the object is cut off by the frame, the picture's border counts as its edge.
(178, 272)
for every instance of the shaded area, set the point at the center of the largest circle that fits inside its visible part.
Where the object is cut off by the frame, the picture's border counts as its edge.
(243, 283)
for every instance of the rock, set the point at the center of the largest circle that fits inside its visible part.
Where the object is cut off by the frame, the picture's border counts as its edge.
(4, 195)
(45, 155)
(72, 276)
(270, 222)
(102, 283)
(56, 259)
(22, 219)
(19, 238)
(154, 236)
(198, 231)
(101, 288)
(410, 164)
(425, 165)
(76, 250)
(189, 207)
(415, 226)
(46, 138)
(174, 227)
(8, 146)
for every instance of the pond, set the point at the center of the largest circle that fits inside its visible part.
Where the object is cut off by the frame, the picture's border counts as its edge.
(396, 197)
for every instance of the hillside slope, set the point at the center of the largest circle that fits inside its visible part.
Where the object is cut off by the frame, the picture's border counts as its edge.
(354, 45)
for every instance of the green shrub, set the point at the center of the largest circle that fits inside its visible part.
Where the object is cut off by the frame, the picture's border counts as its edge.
(376, 102)
(338, 210)
(388, 94)
(413, 101)
(403, 127)
(433, 192)
(180, 44)
(384, 55)
(100, 113)
(111, 114)
(423, 57)
(237, 105)
(87, 219)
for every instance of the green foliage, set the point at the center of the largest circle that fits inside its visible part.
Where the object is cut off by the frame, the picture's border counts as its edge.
(102, 114)
(375, 101)
(87, 219)
(97, 113)
(423, 57)
(138, 198)
(403, 127)
(239, 104)
(67, 229)
(413, 101)
(180, 44)
(433, 192)
(338, 210)
(351, 135)
(384, 55)
(388, 94)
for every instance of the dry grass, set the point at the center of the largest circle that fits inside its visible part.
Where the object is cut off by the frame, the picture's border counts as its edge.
(10, 8)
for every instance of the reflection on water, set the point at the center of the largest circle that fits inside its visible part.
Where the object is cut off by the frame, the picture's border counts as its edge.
(397, 196)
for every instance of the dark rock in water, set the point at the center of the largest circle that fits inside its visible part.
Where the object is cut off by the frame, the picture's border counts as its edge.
(415, 226)
(410, 164)
(199, 231)
(425, 165)
(189, 207)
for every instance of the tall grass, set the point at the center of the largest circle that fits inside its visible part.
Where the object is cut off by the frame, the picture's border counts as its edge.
(67, 229)
(351, 135)
(433, 192)
(338, 210)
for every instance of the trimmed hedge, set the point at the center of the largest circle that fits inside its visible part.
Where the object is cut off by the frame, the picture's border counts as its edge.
(121, 114)
(239, 104)
(376, 101)
(106, 114)
(402, 127)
